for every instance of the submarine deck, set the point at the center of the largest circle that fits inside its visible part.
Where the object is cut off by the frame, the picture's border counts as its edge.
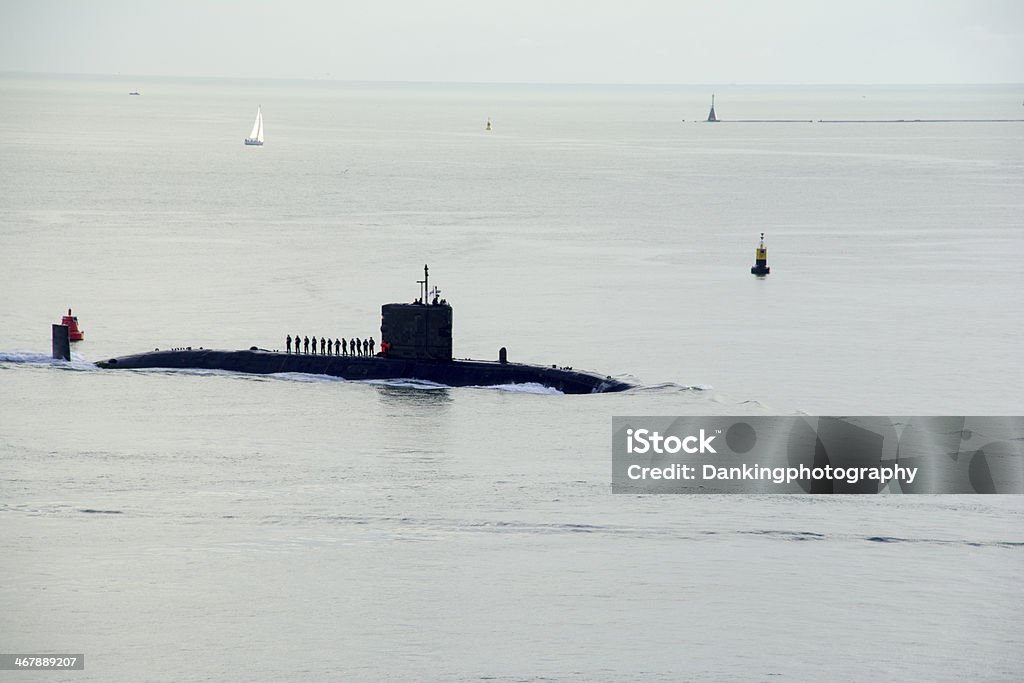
(455, 373)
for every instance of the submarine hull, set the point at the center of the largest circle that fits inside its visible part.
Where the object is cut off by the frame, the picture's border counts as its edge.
(455, 373)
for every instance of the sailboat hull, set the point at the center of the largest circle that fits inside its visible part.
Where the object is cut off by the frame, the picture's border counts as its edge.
(257, 143)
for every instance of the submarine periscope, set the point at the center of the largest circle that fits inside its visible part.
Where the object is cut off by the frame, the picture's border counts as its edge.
(416, 344)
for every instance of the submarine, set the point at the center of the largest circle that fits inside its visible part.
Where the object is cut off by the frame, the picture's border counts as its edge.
(416, 344)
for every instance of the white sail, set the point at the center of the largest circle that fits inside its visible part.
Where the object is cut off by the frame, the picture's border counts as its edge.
(256, 136)
(256, 124)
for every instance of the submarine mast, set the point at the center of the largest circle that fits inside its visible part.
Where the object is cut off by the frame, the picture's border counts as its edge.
(760, 267)
(423, 283)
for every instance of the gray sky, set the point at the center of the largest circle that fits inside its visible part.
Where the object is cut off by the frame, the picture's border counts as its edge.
(536, 41)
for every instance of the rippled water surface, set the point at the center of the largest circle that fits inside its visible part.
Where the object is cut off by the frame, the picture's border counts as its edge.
(205, 525)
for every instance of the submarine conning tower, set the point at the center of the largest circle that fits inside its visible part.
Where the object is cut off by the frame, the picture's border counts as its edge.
(421, 330)
(760, 266)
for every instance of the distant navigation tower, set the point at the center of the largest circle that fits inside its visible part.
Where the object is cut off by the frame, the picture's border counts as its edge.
(711, 114)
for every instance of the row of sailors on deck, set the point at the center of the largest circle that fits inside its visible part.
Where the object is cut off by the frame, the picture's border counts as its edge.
(340, 347)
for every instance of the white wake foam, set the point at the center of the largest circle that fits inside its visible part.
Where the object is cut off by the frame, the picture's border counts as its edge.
(524, 388)
(77, 362)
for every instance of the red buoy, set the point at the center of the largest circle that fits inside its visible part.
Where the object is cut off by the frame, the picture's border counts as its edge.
(74, 334)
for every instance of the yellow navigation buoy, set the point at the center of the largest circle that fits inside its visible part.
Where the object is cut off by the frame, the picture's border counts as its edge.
(760, 267)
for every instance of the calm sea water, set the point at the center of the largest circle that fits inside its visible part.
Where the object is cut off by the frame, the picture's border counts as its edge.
(190, 526)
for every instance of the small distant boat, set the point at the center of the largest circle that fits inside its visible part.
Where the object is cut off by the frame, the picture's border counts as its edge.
(134, 92)
(488, 124)
(256, 136)
(711, 114)
(74, 334)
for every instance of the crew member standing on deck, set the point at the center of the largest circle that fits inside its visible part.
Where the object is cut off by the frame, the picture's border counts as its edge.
(288, 344)
(352, 345)
(323, 346)
(337, 347)
(305, 344)
(344, 347)
(371, 346)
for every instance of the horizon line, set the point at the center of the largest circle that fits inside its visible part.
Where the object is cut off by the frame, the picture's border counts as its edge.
(73, 74)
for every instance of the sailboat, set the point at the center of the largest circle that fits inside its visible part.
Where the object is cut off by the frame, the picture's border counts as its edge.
(711, 114)
(256, 136)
